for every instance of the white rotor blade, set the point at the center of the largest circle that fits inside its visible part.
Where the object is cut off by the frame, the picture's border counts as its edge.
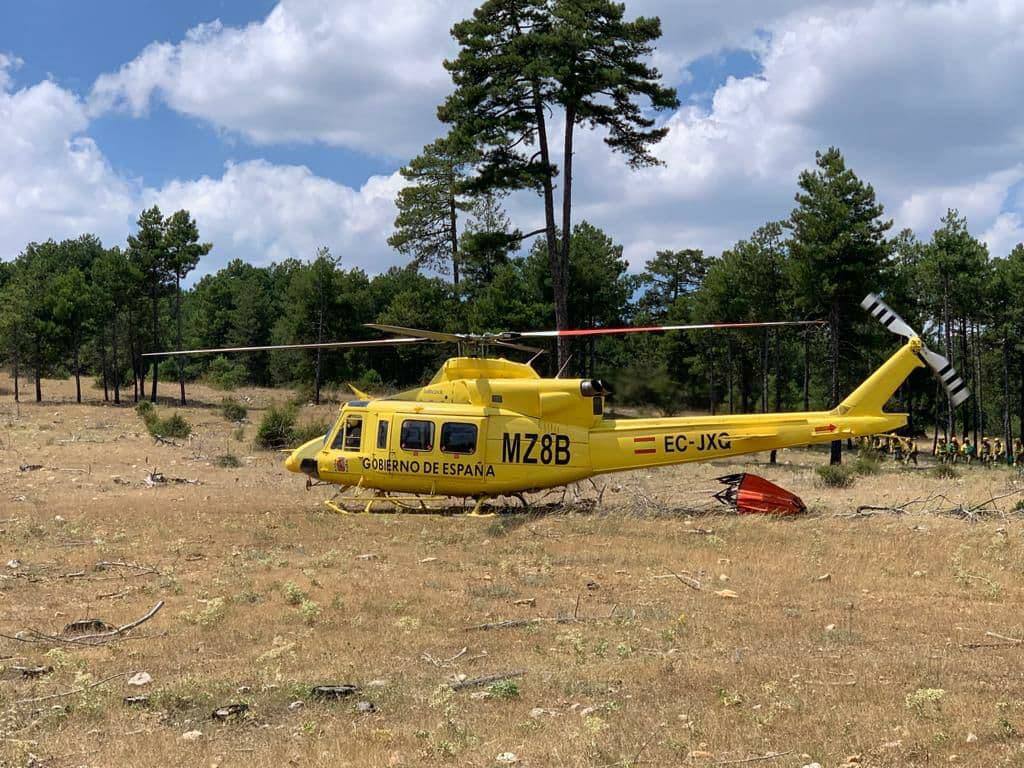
(884, 314)
(950, 379)
(653, 329)
(273, 347)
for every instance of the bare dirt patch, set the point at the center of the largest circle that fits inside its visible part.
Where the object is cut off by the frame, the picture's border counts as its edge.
(812, 639)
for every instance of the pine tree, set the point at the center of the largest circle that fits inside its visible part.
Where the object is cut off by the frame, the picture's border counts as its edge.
(838, 252)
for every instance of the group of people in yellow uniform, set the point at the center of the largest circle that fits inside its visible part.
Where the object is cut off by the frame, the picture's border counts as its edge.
(899, 448)
(989, 451)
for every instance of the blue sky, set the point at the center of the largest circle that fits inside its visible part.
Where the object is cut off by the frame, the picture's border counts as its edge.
(281, 124)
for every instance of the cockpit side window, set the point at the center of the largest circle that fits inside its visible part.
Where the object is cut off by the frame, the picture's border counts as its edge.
(350, 436)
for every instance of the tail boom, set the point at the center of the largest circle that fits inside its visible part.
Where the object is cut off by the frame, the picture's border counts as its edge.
(623, 444)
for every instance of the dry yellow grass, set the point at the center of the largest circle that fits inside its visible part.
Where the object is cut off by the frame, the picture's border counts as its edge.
(840, 629)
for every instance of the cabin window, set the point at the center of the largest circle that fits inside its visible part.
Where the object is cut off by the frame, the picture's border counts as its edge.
(417, 435)
(350, 436)
(458, 438)
(382, 435)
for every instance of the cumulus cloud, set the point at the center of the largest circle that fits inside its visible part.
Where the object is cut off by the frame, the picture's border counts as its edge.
(361, 74)
(54, 181)
(930, 117)
(368, 75)
(260, 212)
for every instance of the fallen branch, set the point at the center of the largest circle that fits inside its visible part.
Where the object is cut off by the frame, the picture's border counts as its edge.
(689, 581)
(443, 662)
(98, 638)
(1013, 640)
(755, 759)
(72, 692)
(143, 569)
(474, 682)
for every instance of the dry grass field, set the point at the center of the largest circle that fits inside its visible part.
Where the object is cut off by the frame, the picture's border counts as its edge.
(832, 638)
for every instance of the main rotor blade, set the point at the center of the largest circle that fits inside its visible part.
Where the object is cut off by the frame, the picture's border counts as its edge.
(655, 329)
(416, 332)
(274, 347)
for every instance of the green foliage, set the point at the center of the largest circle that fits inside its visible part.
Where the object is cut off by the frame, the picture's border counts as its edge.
(293, 595)
(227, 461)
(226, 374)
(276, 429)
(233, 410)
(173, 426)
(306, 431)
(504, 689)
(836, 475)
(866, 465)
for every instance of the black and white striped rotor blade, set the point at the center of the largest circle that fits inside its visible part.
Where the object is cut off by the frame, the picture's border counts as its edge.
(951, 381)
(884, 314)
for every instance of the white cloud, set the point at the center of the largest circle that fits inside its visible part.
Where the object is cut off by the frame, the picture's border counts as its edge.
(368, 75)
(930, 117)
(1005, 233)
(54, 181)
(261, 212)
(364, 75)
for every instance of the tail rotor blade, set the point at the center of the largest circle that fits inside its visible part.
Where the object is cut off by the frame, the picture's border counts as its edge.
(950, 379)
(884, 314)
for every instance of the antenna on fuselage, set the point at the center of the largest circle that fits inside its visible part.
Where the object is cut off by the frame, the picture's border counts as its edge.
(564, 366)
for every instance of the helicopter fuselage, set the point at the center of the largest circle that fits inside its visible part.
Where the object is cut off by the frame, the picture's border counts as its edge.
(485, 427)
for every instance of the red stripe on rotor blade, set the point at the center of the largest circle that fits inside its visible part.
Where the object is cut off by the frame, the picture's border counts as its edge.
(649, 439)
(658, 328)
(645, 450)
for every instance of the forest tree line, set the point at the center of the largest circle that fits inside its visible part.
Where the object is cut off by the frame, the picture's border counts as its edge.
(76, 308)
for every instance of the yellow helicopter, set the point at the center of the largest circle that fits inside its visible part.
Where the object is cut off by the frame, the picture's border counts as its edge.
(487, 427)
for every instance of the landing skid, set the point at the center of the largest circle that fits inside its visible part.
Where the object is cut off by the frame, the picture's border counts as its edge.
(365, 502)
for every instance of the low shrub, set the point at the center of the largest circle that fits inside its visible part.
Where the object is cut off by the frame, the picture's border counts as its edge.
(944, 471)
(836, 475)
(174, 425)
(277, 427)
(232, 409)
(866, 465)
(302, 433)
(227, 461)
(226, 374)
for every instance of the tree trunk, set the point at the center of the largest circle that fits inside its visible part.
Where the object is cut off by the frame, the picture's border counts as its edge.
(116, 366)
(948, 342)
(156, 343)
(453, 224)
(319, 350)
(17, 390)
(711, 383)
(78, 376)
(1007, 428)
(570, 125)
(177, 311)
(106, 377)
(774, 456)
(807, 372)
(558, 283)
(729, 375)
(836, 451)
(39, 366)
